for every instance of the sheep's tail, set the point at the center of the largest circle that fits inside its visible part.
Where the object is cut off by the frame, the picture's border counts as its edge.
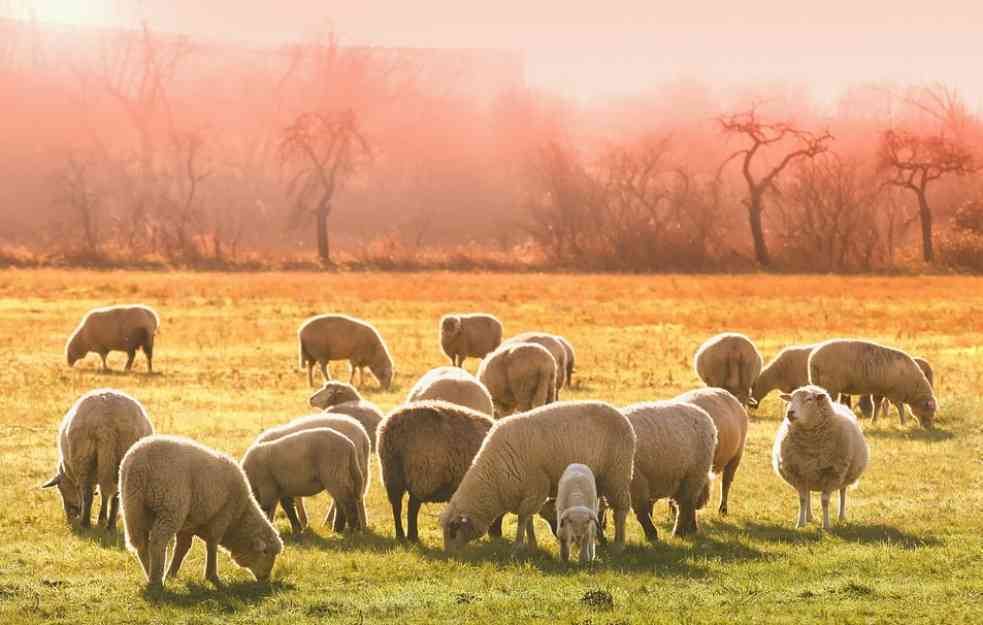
(390, 464)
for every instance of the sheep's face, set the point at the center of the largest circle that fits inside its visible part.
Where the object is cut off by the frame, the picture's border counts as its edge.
(577, 525)
(384, 374)
(260, 557)
(450, 327)
(806, 405)
(70, 499)
(758, 392)
(332, 394)
(459, 529)
(924, 411)
(75, 350)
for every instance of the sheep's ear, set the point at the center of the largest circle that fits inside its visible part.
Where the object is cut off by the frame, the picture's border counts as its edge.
(55, 481)
(786, 397)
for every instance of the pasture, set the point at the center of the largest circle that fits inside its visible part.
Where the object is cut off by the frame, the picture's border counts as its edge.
(226, 356)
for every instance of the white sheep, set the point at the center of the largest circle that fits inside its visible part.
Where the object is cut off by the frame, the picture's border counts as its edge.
(455, 385)
(341, 398)
(463, 336)
(125, 328)
(519, 377)
(729, 361)
(325, 338)
(871, 406)
(174, 487)
(556, 348)
(818, 447)
(576, 512)
(787, 371)
(95, 434)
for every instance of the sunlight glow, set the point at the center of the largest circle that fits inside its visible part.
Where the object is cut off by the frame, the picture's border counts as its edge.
(74, 12)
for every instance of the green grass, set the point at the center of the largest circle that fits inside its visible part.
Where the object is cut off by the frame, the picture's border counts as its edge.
(911, 552)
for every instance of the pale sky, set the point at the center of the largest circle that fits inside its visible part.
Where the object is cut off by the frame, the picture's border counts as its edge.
(613, 46)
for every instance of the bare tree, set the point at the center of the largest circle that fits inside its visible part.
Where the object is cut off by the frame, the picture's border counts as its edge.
(324, 148)
(764, 137)
(179, 200)
(76, 190)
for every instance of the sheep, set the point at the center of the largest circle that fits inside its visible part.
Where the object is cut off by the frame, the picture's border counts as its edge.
(455, 385)
(521, 460)
(857, 367)
(303, 464)
(338, 337)
(729, 361)
(731, 421)
(124, 328)
(474, 335)
(519, 377)
(786, 372)
(673, 458)
(571, 358)
(576, 511)
(553, 345)
(95, 434)
(818, 447)
(425, 448)
(172, 486)
(345, 425)
(342, 398)
(871, 407)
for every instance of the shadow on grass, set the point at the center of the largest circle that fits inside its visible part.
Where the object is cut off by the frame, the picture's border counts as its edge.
(108, 539)
(326, 539)
(861, 534)
(226, 599)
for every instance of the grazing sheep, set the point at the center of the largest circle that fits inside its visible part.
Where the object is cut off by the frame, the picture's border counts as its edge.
(857, 367)
(818, 447)
(519, 377)
(520, 463)
(871, 407)
(576, 511)
(95, 434)
(345, 425)
(553, 345)
(115, 329)
(673, 458)
(455, 385)
(304, 464)
(173, 486)
(786, 372)
(425, 448)
(571, 357)
(729, 361)
(338, 337)
(463, 336)
(731, 420)
(342, 398)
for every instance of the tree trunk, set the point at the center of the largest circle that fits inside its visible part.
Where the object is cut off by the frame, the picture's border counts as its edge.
(926, 218)
(757, 231)
(323, 247)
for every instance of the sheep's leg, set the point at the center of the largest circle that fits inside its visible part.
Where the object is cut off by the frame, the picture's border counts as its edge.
(211, 563)
(325, 371)
(495, 530)
(531, 533)
(131, 353)
(842, 504)
(87, 496)
(412, 514)
(396, 501)
(148, 351)
(586, 554)
(846, 400)
(332, 513)
(620, 515)
(301, 510)
(602, 518)
(340, 522)
(565, 550)
(643, 512)
(160, 536)
(181, 548)
(902, 413)
(825, 502)
(803, 509)
(113, 513)
(878, 402)
(520, 530)
(686, 523)
(730, 470)
(103, 507)
(310, 373)
(105, 367)
(350, 506)
(288, 509)
(107, 471)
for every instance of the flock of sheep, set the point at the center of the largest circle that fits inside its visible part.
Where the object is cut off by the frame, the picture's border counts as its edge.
(495, 443)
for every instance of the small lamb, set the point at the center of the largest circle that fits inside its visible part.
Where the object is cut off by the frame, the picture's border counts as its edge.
(576, 509)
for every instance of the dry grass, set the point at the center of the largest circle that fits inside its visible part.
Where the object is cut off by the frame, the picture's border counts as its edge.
(910, 553)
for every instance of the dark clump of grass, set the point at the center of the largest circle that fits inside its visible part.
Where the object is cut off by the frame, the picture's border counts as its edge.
(598, 599)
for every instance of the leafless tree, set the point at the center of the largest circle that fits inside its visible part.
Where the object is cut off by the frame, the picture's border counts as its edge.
(179, 200)
(764, 137)
(77, 191)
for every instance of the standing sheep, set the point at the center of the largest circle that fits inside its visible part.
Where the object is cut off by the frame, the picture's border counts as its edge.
(95, 434)
(338, 337)
(342, 398)
(455, 385)
(554, 346)
(729, 361)
(871, 407)
(818, 447)
(857, 367)
(463, 336)
(304, 464)
(731, 421)
(425, 448)
(673, 458)
(576, 511)
(173, 486)
(521, 460)
(124, 328)
(519, 377)
(786, 372)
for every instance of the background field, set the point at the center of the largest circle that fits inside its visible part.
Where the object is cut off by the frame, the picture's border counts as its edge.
(911, 552)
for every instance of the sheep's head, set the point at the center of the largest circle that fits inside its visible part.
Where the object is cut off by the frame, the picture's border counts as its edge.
(807, 405)
(450, 326)
(384, 373)
(260, 555)
(334, 393)
(70, 498)
(578, 525)
(75, 349)
(924, 410)
(459, 529)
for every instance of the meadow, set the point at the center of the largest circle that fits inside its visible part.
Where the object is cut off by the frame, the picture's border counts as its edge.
(226, 356)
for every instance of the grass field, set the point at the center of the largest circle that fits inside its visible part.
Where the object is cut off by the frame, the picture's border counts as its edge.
(911, 552)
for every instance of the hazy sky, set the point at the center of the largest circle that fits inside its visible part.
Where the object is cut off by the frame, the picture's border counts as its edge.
(614, 46)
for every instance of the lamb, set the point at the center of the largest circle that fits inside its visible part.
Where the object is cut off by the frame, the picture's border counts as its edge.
(576, 511)
(124, 328)
(455, 385)
(521, 460)
(871, 407)
(338, 337)
(519, 377)
(818, 447)
(553, 345)
(347, 427)
(342, 398)
(673, 458)
(729, 361)
(463, 336)
(857, 367)
(731, 421)
(786, 372)
(95, 434)
(571, 358)
(303, 464)
(425, 448)
(172, 486)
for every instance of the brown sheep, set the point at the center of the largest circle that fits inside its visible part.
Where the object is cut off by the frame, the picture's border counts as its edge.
(338, 337)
